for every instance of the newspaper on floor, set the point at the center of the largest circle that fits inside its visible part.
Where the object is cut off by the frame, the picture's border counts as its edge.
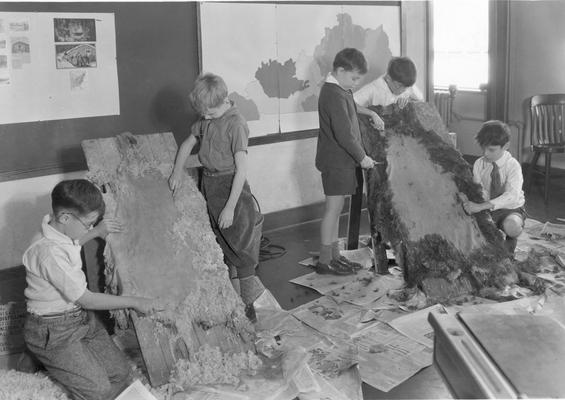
(387, 358)
(136, 391)
(323, 283)
(366, 289)
(327, 316)
(363, 256)
(335, 370)
(415, 325)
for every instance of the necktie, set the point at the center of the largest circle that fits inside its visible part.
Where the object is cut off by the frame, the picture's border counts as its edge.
(496, 188)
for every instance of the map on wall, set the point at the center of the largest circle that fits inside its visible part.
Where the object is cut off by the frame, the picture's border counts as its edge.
(275, 57)
(57, 66)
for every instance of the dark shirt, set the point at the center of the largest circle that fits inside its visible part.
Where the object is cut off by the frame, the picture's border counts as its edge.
(339, 140)
(220, 138)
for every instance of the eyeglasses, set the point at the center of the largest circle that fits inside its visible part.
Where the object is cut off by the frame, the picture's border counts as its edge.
(85, 225)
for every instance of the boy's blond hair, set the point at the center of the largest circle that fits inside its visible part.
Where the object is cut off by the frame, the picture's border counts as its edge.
(209, 91)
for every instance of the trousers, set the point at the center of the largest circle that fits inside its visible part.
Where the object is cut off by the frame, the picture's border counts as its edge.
(241, 241)
(77, 352)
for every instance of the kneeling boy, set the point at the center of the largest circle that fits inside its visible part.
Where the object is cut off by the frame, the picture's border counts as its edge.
(500, 176)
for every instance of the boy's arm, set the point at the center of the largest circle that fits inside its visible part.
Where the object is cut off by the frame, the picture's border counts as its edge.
(55, 267)
(101, 301)
(101, 230)
(226, 216)
(342, 128)
(182, 155)
(469, 206)
(377, 122)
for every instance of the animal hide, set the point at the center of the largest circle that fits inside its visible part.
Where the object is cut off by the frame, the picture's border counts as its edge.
(413, 201)
(167, 251)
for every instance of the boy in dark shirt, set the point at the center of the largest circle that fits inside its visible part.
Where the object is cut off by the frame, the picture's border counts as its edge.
(339, 152)
(237, 224)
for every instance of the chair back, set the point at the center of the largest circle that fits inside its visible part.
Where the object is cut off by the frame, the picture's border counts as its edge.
(547, 120)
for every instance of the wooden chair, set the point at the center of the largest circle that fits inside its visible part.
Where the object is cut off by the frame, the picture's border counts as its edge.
(547, 133)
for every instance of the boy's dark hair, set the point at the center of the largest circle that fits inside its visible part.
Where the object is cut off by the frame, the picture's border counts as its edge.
(78, 195)
(403, 70)
(493, 133)
(350, 59)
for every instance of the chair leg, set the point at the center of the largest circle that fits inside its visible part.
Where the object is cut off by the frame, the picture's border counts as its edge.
(531, 169)
(547, 172)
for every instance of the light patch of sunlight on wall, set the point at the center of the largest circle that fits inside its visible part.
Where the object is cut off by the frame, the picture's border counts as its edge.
(460, 43)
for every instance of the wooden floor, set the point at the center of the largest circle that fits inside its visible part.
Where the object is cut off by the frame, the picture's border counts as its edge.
(303, 238)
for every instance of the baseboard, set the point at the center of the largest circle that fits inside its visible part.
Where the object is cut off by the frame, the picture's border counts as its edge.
(299, 215)
(553, 170)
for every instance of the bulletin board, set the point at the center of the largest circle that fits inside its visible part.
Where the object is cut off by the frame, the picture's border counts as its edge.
(56, 66)
(274, 57)
(155, 62)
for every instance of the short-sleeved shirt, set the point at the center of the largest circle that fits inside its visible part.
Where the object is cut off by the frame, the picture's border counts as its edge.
(54, 276)
(377, 93)
(220, 138)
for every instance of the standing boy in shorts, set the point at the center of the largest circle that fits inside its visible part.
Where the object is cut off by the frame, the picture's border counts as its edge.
(339, 153)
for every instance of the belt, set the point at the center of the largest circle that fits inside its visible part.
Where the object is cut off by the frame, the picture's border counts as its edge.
(71, 313)
(207, 172)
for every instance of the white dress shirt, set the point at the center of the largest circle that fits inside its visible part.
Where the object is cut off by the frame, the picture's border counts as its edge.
(510, 177)
(377, 93)
(54, 274)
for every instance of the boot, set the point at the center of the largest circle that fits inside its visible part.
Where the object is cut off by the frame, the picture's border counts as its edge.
(251, 288)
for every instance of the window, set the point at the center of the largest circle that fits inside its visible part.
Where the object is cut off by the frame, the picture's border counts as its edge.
(460, 43)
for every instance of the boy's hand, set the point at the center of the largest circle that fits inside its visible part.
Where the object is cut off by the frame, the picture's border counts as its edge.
(107, 226)
(175, 180)
(402, 101)
(377, 122)
(472, 208)
(226, 217)
(367, 163)
(148, 306)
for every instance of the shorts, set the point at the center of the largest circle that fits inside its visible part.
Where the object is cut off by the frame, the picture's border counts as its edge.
(498, 216)
(339, 182)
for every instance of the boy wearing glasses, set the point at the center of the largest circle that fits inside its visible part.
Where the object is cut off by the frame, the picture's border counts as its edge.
(223, 133)
(396, 86)
(73, 346)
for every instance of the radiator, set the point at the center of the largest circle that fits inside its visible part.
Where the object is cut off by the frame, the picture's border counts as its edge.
(443, 100)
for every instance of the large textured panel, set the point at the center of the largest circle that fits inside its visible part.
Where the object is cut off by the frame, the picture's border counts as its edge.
(413, 201)
(167, 250)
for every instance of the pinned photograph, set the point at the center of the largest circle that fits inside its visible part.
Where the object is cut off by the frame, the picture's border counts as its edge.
(75, 55)
(4, 72)
(20, 51)
(19, 26)
(78, 80)
(74, 30)
(2, 43)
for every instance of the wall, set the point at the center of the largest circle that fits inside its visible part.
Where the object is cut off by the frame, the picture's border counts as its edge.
(23, 203)
(282, 175)
(537, 57)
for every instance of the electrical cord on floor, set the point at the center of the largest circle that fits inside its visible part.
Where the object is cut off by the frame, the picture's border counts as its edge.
(269, 251)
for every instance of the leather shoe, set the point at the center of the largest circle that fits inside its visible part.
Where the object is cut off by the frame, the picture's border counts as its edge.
(334, 267)
(352, 264)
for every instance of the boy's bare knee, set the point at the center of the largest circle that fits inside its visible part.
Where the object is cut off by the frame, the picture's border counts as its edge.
(513, 225)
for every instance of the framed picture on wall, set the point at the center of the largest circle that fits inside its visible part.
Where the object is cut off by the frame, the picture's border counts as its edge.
(274, 57)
